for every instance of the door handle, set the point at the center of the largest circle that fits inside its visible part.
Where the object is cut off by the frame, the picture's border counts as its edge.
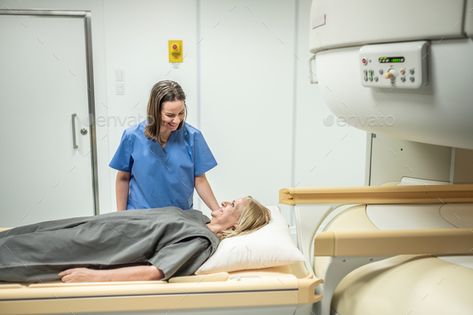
(311, 72)
(74, 138)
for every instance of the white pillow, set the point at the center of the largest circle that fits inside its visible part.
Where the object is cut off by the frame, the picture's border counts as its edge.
(269, 246)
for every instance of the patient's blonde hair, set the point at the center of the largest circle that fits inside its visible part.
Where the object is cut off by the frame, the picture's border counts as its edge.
(253, 216)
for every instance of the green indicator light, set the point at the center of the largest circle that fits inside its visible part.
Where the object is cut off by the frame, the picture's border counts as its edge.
(391, 59)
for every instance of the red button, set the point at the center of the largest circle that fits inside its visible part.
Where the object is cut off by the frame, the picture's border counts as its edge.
(364, 61)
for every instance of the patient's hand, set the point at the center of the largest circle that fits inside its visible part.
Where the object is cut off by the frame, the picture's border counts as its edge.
(132, 273)
(80, 275)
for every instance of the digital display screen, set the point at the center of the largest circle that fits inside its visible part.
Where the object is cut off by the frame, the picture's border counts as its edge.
(391, 59)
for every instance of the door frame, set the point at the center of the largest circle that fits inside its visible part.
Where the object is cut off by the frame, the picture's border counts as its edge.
(85, 15)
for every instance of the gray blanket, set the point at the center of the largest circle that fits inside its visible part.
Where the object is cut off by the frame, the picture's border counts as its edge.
(173, 240)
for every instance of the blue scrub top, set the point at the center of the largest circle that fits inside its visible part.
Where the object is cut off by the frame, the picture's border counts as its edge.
(162, 177)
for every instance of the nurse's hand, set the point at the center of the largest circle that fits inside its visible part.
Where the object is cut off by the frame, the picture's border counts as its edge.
(217, 212)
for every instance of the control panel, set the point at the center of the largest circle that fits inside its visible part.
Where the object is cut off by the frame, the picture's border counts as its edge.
(397, 65)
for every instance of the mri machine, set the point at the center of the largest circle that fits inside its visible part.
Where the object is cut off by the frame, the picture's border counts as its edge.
(401, 69)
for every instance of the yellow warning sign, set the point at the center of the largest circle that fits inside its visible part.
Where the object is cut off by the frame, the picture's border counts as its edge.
(175, 51)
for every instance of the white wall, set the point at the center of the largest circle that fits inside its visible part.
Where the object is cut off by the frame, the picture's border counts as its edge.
(246, 77)
(247, 95)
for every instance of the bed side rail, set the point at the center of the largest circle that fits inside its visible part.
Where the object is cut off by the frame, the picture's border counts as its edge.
(413, 194)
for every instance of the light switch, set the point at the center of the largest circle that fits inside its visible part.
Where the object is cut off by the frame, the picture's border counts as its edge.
(119, 88)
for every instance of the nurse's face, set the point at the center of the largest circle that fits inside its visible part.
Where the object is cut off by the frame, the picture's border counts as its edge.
(172, 114)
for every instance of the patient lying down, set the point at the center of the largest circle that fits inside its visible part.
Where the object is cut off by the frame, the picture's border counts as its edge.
(153, 244)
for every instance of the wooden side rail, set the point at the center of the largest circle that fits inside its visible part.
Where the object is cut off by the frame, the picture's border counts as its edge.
(416, 194)
(396, 242)
(156, 297)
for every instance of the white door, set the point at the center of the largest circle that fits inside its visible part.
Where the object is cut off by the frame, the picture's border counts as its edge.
(43, 83)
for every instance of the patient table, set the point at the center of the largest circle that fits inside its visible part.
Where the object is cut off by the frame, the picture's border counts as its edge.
(278, 290)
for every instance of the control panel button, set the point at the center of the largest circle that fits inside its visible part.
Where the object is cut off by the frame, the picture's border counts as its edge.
(411, 71)
(390, 74)
(370, 75)
(412, 79)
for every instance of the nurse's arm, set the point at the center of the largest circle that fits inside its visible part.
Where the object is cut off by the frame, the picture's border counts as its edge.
(122, 186)
(205, 192)
(132, 273)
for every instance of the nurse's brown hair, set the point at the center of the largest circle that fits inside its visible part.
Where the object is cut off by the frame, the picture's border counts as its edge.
(163, 91)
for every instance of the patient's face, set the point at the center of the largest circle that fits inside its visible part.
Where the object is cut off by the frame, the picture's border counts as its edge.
(230, 211)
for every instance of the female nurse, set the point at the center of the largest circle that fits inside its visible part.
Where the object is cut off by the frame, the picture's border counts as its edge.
(161, 160)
